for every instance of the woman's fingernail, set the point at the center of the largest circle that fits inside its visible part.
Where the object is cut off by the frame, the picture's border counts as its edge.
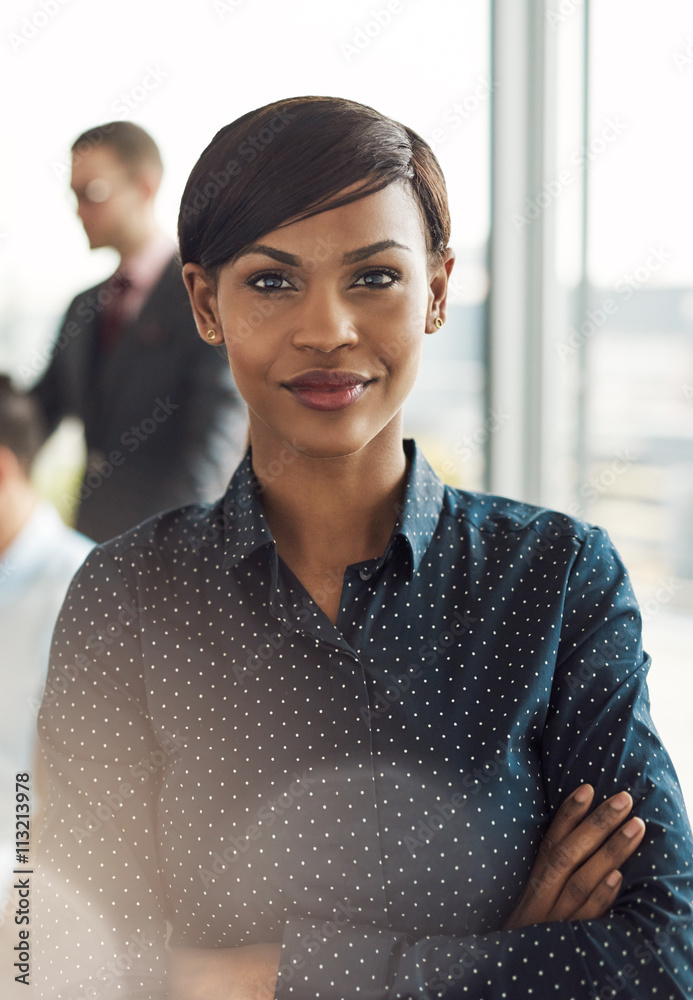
(633, 826)
(583, 793)
(613, 879)
(620, 801)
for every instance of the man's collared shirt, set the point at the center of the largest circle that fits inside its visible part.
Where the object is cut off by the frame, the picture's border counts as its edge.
(143, 270)
(371, 793)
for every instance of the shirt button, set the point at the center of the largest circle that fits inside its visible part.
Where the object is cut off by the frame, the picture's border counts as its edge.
(365, 574)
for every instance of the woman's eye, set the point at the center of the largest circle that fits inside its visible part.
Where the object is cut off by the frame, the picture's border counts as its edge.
(269, 282)
(378, 279)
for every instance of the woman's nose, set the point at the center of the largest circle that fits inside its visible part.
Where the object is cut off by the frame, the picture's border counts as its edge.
(326, 323)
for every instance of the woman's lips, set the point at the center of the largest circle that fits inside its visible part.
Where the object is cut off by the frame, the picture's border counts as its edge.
(327, 390)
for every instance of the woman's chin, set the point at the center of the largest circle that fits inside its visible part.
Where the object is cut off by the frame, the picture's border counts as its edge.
(323, 438)
(327, 445)
(329, 450)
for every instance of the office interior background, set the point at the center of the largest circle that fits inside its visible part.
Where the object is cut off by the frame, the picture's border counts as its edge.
(564, 375)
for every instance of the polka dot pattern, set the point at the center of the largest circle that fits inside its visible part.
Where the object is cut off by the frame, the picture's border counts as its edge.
(229, 763)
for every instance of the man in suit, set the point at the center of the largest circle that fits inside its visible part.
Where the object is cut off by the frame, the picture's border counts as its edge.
(164, 424)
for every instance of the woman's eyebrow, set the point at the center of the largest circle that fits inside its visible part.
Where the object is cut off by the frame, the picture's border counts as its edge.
(352, 257)
(262, 248)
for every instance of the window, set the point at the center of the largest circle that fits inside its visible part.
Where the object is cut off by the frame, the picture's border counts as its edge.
(590, 349)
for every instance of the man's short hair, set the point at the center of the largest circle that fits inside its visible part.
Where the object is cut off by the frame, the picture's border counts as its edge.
(133, 146)
(21, 425)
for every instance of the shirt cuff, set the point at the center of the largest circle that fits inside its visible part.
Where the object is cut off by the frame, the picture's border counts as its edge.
(327, 961)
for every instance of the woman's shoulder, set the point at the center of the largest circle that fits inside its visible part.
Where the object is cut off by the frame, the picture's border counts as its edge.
(493, 513)
(488, 513)
(498, 529)
(169, 533)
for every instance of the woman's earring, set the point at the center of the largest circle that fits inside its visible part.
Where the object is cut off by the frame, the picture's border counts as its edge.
(211, 334)
(438, 323)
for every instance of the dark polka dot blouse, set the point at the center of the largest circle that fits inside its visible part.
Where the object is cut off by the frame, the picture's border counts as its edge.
(229, 767)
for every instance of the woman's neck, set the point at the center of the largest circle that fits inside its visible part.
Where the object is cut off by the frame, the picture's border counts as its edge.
(326, 514)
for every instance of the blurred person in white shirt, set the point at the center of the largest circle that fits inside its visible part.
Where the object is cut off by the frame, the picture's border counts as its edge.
(39, 555)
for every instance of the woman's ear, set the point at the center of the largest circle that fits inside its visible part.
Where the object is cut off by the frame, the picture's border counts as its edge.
(202, 290)
(438, 290)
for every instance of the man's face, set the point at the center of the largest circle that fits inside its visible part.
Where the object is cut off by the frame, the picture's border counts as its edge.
(110, 201)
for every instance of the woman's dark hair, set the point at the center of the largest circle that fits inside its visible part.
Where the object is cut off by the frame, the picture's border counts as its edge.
(287, 161)
(21, 425)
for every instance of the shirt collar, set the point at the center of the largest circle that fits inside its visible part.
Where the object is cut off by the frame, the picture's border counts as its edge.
(145, 267)
(246, 529)
(243, 521)
(423, 502)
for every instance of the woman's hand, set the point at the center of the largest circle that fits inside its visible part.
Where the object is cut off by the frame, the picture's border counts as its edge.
(248, 973)
(575, 875)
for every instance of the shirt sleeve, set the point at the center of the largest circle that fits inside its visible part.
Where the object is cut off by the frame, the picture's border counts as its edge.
(99, 916)
(49, 391)
(598, 729)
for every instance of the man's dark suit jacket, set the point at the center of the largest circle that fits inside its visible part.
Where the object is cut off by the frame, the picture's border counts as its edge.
(164, 423)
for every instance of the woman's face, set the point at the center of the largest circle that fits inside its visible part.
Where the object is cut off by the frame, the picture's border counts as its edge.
(324, 319)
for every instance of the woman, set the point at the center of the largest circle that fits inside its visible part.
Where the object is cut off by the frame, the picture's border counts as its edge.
(350, 738)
